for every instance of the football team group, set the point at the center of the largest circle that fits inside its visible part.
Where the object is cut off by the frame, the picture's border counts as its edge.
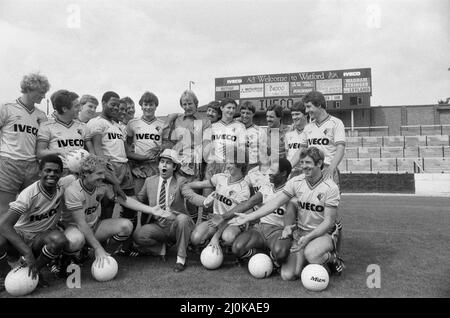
(145, 185)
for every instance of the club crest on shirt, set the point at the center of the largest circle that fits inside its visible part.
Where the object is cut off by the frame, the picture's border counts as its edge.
(320, 196)
(158, 128)
(231, 193)
(325, 132)
(80, 131)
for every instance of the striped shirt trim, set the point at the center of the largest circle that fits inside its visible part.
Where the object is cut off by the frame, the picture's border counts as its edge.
(85, 189)
(24, 106)
(67, 125)
(324, 121)
(313, 186)
(47, 195)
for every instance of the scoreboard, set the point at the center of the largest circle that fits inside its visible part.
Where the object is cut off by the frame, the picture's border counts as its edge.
(343, 89)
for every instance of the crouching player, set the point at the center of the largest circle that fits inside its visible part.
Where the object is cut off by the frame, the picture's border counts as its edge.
(266, 233)
(81, 217)
(318, 234)
(29, 228)
(230, 190)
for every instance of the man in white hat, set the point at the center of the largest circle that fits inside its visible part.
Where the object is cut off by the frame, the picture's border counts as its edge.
(165, 190)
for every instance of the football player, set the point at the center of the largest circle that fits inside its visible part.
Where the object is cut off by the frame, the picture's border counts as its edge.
(29, 228)
(19, 123)
(325, 132)
(317, 236)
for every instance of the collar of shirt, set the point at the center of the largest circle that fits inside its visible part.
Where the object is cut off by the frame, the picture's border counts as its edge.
(194, 116)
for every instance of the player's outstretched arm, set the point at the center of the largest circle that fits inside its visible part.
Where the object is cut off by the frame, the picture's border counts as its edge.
(134, 204)
(289, 220)
(242, 207)
(187, 191)
(266, 209)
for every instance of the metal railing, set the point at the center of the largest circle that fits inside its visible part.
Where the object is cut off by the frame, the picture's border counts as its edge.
(424, 130)
(367, 131)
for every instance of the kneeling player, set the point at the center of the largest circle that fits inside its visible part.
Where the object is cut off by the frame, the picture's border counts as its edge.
(81, 218)
(28, 228)
(266, 233)
(230, 190)
(318, 233)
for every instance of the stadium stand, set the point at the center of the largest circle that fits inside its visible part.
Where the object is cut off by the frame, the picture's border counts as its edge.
(433, 152)
(359, 165)
(372, 141)
(394, 141)
(369, 152)
(384, 165)
(436, 165)
(415, 141)
(438, 140)
(353, 142)
(392, 152)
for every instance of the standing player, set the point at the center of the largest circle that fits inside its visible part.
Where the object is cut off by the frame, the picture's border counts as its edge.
(276, 132)
(108, 141)
(19, 123)
(28, 228)
(230, 190)
(88, 105)
(294, 134)
(213, 112)
(247, 110)
(63, 133)
(325, 132)
(145, 134)
(266, 233)
(318, 199)
(225, 136)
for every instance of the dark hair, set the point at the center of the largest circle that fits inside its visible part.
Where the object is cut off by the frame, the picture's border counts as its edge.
(277, 109)
(108, 95)
(63, 98)
(127, 100)
(299, 107)
(227, 101)
(316, 98)
(149, 97)
(315, 153)
(248, 105)
(51, 158)
(284, 165)
(216, 106)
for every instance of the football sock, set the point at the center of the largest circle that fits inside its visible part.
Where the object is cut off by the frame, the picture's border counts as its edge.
(181, 260)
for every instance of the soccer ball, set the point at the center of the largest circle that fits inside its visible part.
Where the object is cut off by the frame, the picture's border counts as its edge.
(260, 265)
(210, 259)
(315, 277)
(105, 273)
(18, 283)
(74, 159)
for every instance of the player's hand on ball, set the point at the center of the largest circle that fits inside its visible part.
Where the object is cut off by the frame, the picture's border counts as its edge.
(101, 257)
(240, 219)
(30, 262)
(214, 243)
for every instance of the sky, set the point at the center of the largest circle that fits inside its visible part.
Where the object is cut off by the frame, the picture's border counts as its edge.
(133, 46)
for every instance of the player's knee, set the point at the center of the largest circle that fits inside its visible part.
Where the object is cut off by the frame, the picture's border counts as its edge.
(182, 219)
(280, 252)
(312, 255)
(75, 240)
(228, 237)
(197, 237)
(288, 274)
(125, 228)
(56, 241)
(238, 247)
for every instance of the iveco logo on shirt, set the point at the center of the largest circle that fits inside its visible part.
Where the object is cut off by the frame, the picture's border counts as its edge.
(148, 137)
(318, 141)
(43, 216)
(225, 137)
(115, 136)
(224, 199)
(311, 206)
(25, 128)
(294, 146)
(71, 143)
